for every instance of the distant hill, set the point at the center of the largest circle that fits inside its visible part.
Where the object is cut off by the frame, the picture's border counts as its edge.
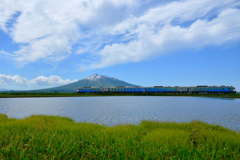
(3, 90)
(95, 80)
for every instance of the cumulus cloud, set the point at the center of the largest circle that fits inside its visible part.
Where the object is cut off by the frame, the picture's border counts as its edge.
(158, 31)
(152, 42)
(50, 28)
(114, 32)
(19, 82)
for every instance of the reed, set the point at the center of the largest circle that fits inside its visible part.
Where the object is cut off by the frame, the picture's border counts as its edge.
(51, 137)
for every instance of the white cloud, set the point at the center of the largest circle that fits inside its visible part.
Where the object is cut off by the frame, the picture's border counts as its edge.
(115, 31)
(155, 34)
(50, 28)
(19, 82)
(180, 11)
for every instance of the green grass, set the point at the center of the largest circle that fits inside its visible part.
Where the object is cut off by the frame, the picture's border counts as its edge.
(50, 137)
(28, 94)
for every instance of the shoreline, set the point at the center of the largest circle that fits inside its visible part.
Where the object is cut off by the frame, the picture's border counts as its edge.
(45, 95)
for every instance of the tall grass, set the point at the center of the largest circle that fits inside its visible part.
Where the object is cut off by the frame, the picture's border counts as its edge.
(50, 137)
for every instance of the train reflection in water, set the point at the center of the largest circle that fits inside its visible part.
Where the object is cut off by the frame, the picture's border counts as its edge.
(159, 89)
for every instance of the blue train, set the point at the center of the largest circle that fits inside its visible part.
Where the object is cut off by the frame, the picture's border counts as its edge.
(160, 89)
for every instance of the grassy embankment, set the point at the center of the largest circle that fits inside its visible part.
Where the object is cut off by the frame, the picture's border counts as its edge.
(48, 137)
(28, 94)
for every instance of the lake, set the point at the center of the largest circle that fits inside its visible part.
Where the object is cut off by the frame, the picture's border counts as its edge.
(128, 109)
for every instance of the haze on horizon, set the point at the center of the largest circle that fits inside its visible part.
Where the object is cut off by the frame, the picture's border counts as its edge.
(48, 43)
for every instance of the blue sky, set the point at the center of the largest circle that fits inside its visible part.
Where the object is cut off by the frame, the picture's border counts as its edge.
(45, 43)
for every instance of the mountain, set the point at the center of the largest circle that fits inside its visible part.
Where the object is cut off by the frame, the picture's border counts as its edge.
(94, 80)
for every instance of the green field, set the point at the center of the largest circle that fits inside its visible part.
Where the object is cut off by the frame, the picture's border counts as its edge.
(28, 94)
(49, 138)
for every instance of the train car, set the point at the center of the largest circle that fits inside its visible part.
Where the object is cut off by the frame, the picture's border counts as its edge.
(160, 90)
(212, 89)
(131, 90)
(89, 90)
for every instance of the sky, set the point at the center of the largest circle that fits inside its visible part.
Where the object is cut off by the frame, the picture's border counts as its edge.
(47, 43)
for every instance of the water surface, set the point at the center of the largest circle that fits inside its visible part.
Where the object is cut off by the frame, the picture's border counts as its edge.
(128, 109)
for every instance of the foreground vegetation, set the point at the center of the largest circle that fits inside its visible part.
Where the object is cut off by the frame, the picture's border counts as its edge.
(28, 94)
(49, 137)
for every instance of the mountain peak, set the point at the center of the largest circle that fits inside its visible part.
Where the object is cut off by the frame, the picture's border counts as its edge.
(94, 80)
(95, 77)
